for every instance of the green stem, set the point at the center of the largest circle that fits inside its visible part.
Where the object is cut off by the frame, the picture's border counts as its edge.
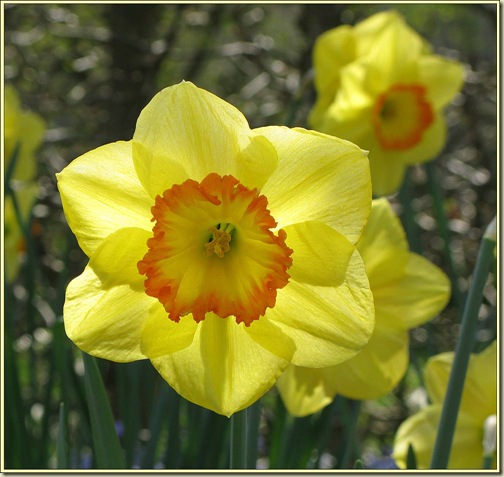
(238, 441)
(446, 428)
(405, 197)
(487, 462)
(444, 233)
(350, 433)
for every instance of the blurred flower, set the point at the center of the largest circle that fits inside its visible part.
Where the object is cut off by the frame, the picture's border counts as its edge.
(251, 262)
(15, 243)
(379, 86)
(23, 128)
(408, 290)
(23, 134)
(479, 401)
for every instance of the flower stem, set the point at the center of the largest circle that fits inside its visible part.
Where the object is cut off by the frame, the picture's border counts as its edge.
(446, 428)
(350, 433)
(238, 441)
(444, 233)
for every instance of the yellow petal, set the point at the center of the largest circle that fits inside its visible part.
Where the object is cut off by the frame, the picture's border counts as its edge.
(162, 336)
(105, 322)
(417, 297)
(348, 111)
(272, 338)
(444, 79)
(370, 374)
(377, 369)
(115, 260)
(420, 431)
(332, 50)
(187, 132)
(383, 245)
(321, 254)
(387, 173)
(32, 129)
(352, 102)
(23, 128)
(306, 391)
(369, 30)
(101, 193)
(316, 176)
(480, 386)
(224, 369)
(328, 325)
(393, 58)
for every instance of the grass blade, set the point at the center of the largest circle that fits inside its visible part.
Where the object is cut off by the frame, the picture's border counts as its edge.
(107, 448)
(61, 445)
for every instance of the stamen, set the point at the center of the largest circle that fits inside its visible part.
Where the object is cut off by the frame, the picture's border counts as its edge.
(219, 244)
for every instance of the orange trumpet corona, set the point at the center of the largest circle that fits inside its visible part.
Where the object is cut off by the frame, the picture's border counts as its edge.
(213, 250)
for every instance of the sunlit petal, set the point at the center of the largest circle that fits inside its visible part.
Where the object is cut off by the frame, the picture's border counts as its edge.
(328, 325)
(321, 254)
(105, 322)
(101, 193)
(223, 369)
(187, 132)
(316, 176)
(422, 292)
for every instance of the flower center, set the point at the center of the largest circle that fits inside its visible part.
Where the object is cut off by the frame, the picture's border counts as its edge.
(213, 250)
(219, 243)
(401, 115)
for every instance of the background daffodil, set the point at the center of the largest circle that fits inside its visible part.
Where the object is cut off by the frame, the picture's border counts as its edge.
(408, 290)
(479, 402)
(23, 134)
(220, 253)
(386, 92)
(15, 243)
(24, 129)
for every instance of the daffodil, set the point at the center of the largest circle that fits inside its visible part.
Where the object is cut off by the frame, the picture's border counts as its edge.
(408, 291)
(477, 411)
(220, 253)
(15, 242)
(379, 86)
(23, 130)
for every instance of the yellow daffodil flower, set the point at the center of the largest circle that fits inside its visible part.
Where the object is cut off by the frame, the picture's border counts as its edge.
(15, 243)
(477, 409)
(23, 128)
(379, 87)
(220, 253)
(408, 291)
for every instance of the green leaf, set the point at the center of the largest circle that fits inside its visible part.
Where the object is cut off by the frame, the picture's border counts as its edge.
(411, 461)
(358, 464)
(107, 448)
(61, 445)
